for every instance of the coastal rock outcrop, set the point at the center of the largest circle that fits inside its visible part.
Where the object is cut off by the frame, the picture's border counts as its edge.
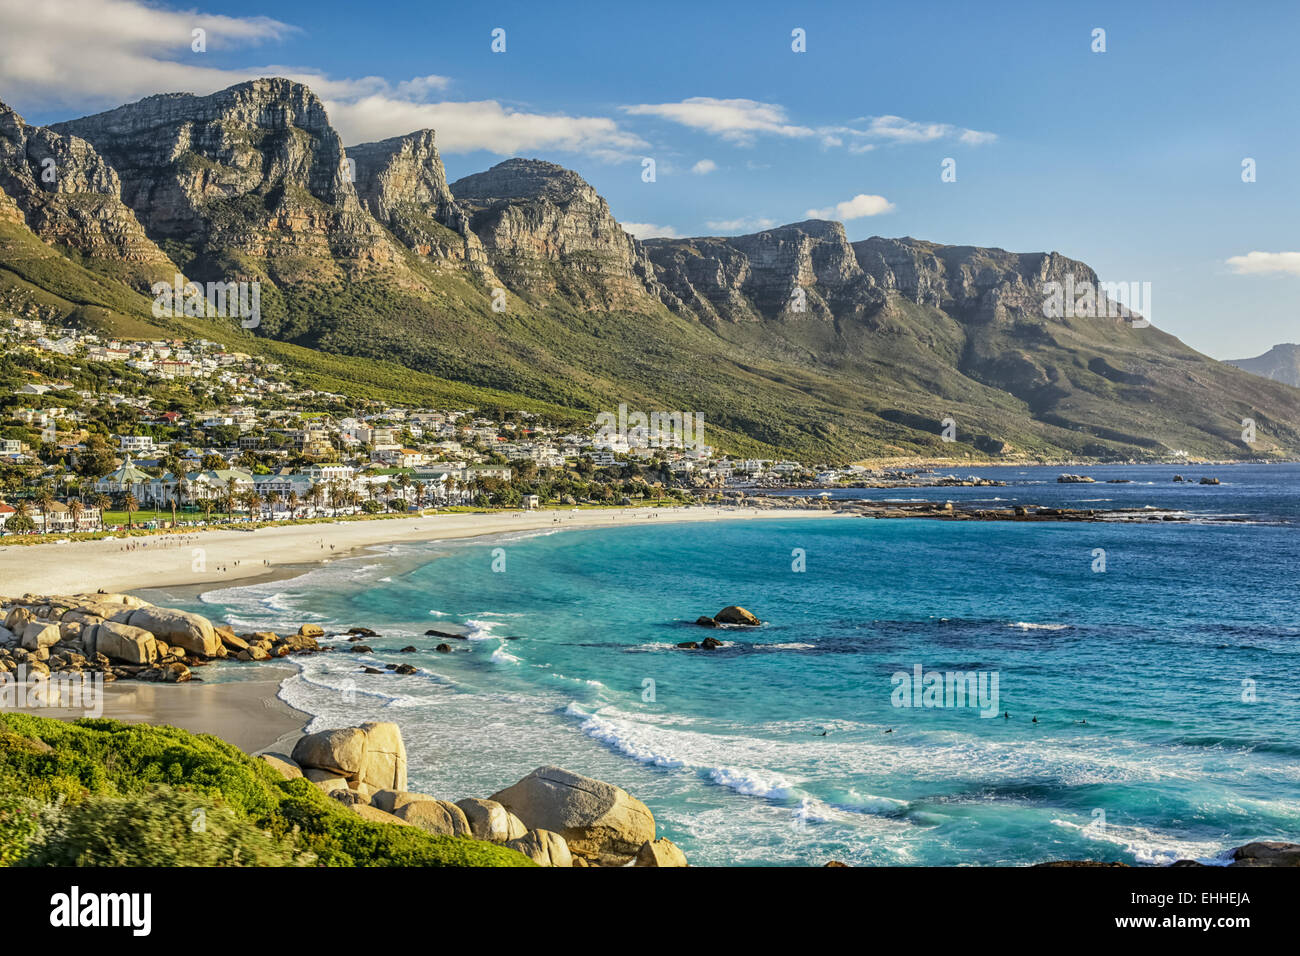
(543, 847)
(192, 632)
(372, 755)
(285, 766)
(38, 634)
(599, 821)
(123, 642)
(661, 852)
(736, 616)
(1266, 853)
(489, 820)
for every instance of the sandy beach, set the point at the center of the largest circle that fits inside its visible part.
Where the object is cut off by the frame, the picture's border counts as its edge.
(246, 713)
(249, 713)
(217, 558)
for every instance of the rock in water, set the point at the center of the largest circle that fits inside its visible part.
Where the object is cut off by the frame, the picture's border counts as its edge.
(598, 821)
(543, 847)
(1266, 853)
(736, 615)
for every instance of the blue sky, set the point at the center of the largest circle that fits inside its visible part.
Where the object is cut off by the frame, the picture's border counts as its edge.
(1130, 160)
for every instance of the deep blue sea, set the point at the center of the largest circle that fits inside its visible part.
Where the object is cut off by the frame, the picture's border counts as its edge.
(1165, 686)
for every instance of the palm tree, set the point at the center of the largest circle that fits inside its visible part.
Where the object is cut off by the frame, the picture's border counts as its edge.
(231, 485)
(419, 495)
(292, 501)
(207, 505)
(253, 501)
(44, 499)
(101, 502)
(75, 510)
(131, 506)
(404, 482)
(316, 493)
(273, 498)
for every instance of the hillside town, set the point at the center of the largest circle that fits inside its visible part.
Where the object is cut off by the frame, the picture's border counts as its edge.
(99, 434)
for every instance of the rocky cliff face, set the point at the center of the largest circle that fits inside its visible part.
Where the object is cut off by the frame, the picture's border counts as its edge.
(402, 183)
(547, 231)
(68, 195)
(976, 284)
(803, 270)
(255, 170)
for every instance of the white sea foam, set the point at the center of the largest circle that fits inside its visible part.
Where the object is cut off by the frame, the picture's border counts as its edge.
(481, 630)
(1028, 626)
(502, 656)
(1152, 847)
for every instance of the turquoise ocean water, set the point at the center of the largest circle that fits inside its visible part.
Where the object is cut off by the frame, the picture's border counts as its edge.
(1165, 687)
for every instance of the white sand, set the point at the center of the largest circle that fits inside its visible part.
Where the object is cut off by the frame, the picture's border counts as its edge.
(219, 557)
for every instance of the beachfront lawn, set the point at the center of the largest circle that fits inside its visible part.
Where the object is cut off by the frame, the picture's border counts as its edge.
(98, 792)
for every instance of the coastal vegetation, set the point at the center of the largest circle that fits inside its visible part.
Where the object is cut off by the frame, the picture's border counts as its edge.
(100, 792)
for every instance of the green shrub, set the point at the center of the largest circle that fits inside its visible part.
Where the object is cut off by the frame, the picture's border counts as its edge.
(99, 792)
(163, 827)
(20, 821)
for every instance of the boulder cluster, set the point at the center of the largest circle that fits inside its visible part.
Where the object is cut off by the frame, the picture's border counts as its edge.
(553, 816)
(124, 637)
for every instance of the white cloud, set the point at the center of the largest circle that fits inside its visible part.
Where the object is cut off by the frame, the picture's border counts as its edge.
(856, 208)
(737, 121)
(648, 230)
(741, 225)
(485, 124)
(704, 167)
(895, 129)
(741, 121)
(87, 55)
(1266, 263)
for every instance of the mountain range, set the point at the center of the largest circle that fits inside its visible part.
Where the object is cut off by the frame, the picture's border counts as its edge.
(1281, 363)
(518, 286)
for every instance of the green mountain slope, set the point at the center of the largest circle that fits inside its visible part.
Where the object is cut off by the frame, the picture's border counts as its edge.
(517, 286)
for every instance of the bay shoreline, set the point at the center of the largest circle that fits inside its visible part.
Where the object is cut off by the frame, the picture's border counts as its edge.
(250, 713)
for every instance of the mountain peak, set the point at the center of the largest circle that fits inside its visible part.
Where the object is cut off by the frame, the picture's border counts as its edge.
(522, 179)
(1281, 363)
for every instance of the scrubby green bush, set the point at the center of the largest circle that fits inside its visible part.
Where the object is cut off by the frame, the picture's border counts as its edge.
(162, 827)
(20, 821)
(101, 792)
